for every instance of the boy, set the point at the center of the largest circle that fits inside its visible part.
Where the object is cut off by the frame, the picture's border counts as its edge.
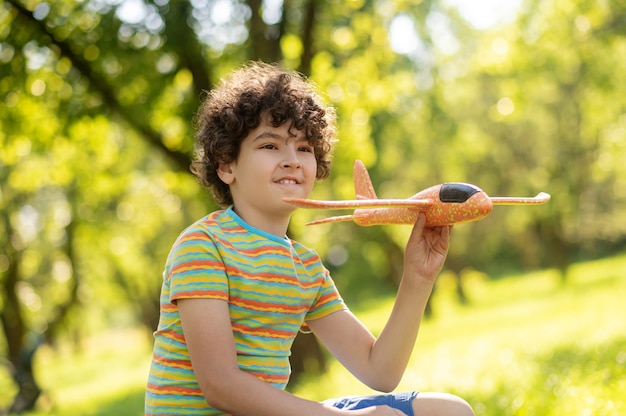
(236, 290)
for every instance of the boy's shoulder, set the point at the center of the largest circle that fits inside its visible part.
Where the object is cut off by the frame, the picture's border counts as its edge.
(214, 220)
(225, 225)
(305, 253)
(204, 228)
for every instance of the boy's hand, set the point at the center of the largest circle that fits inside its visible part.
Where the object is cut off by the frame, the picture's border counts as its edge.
(426, 249)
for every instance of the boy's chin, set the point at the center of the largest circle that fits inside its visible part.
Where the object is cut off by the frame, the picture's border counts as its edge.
(287, 208)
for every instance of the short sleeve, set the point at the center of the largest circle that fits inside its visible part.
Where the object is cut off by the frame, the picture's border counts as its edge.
(328, 301)
(195, 268)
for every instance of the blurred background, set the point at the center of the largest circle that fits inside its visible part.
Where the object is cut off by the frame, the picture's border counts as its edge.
(97, 99)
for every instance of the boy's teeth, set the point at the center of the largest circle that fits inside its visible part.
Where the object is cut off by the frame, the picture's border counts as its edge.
(287, 181)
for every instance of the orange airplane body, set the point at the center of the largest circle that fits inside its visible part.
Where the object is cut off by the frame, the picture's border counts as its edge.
(445, 204)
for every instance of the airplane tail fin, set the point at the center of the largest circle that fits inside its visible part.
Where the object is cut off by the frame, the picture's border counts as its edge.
(363, 187)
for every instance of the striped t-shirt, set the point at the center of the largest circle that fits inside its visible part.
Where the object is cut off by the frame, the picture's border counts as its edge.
(272, 285)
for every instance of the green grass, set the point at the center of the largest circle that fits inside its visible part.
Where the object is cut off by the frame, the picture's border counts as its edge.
(104, 376)
(524, 345)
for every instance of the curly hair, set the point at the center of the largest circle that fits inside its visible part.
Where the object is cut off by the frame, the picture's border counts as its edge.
(237, 106)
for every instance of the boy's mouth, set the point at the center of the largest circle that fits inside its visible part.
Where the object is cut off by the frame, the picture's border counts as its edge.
(287, 181)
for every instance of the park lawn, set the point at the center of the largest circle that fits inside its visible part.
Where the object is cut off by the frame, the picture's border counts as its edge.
(106, 375)
(523, 345)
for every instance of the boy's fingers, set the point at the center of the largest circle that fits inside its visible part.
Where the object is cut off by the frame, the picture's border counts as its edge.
(420, 223)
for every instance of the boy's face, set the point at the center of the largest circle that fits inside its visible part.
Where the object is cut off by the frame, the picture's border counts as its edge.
(272, 164)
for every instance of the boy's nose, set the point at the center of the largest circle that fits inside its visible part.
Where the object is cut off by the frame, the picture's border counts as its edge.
(291, 159)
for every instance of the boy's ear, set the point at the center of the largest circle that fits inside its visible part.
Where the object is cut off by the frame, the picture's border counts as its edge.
(225, 172)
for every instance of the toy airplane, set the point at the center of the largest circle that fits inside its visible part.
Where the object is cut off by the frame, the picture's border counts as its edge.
(445, 204)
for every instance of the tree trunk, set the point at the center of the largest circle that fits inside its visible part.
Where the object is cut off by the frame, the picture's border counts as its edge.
(22, 372)
(307, 357)
(20, 355)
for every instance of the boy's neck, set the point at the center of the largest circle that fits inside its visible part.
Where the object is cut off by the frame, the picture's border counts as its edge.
(277, 225)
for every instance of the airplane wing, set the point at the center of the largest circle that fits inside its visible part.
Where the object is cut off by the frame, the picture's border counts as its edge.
(362, 203)
(540, 198)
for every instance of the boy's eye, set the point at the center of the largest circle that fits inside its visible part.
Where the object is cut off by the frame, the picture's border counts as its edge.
(306, 149)
(268, 146)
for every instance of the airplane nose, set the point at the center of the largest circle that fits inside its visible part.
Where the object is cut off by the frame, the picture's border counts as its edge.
(459, 203)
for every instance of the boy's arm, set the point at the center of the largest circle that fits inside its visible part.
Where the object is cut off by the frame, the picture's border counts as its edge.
(209, 337)
(380, 363)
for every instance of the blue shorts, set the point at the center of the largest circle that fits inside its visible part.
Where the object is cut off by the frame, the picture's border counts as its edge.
(401, 401)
